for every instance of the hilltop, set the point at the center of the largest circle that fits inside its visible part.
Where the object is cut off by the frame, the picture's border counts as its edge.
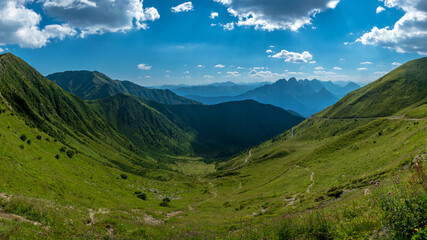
(90, 85)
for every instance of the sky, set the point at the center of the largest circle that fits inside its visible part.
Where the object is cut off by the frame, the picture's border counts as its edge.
(156, 42)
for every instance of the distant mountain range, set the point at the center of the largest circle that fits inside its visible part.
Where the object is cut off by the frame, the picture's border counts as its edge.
(214, 89)
(157, 120)
(305, 97)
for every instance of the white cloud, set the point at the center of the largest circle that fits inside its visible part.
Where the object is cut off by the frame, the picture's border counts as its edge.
(396, 64)
(187, 72)
(409, 33)
(233, 74)
(269, 51)
(362, 69)
(312, 62)
(380, 73)
(293, 56)
(364, 63)
(167, 76)
(240, 68)
(324, 72)
(272, 46)
(1, 50)
(213, 15)
(144, 66)
(219, 73)
(208, 76)
(337, 68)
(229, 26)
(295, 73)
(266, 75)
(219, 66)
(318, 68)
(185, 7)
(276, 15)
(200, 66)
(147, 76)
(380, 9)
(22, 25)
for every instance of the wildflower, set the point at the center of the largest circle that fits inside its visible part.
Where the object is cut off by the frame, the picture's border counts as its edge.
(388, 193)
(416, 229)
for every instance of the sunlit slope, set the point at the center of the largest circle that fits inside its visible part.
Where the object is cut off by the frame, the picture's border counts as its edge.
(403, 88)
(336, 151)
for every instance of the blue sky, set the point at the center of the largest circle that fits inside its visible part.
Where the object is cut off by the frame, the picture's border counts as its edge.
(179, 42)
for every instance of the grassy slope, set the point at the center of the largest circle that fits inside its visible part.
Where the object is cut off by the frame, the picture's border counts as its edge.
(146, 127)
(405, 87)
(95, 85)
(241, 201)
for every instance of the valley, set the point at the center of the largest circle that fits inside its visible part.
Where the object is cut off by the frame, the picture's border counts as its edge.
(121, 165)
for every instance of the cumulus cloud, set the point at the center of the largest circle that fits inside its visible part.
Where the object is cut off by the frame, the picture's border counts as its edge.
(276, 14)
(185, 7)
(293, 56)
(337, 68)
(233, 74)
(213, 15)
(324, 72)
(143, 66)
(208, 76)
(364, 63)
(362, 69)
(167, 76)
(269, 51)
(228, 26)
(200, 66)
(318, 68)
(396, 64)
(380, 73)
(20, 24)
(409, 33)
(380, 9)
(220, 66)
(1, 50)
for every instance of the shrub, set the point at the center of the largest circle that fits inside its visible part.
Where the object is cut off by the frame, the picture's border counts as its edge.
(21, 146)
(70, 153)
(288, 230)
(137, 192)
(63, 149)
(23, 137)
(56, 156)
(39, 137)
(404, 206)
(29, 141)
(142, 196)
(421, 235)
(165, 202)
(124, 176)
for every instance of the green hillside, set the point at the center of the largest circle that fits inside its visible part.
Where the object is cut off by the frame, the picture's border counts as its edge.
(94, 85)
(405, 87)
(144, 126)
(329, 177)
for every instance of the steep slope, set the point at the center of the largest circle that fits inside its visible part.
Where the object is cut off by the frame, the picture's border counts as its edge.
(227, 128)
(217, 131)
(404, 87)
(45, 104)
(94, 85)
(143, 125)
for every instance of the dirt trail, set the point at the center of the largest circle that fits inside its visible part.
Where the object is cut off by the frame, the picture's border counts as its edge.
(250, 155)
(312, 182)
(92, 215)
(10, 216)
(292, 133)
